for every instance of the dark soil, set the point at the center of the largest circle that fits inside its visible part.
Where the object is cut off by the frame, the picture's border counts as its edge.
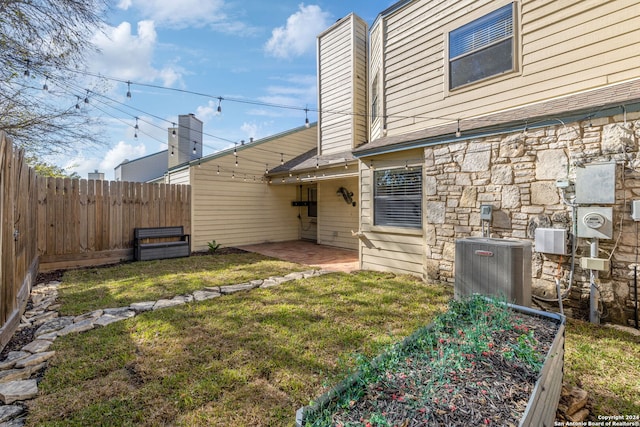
(489, 388)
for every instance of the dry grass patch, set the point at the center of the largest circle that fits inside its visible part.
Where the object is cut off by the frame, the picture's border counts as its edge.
(606, 363)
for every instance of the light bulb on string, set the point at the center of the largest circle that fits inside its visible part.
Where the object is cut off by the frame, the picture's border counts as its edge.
(86, 98)
(306, 117)
(218, 171)
(77, 102)
(45, 87)
(266, 168)
(219, 105)
(128, 89)
(194, 146)
(173, 131)
(458, 132)
(172, 150)
(281, 158)
(26, 71)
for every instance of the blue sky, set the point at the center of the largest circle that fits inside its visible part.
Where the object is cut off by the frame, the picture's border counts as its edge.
(258, 52)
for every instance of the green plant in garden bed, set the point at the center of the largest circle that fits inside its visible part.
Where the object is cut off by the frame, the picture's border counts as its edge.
(443, 368)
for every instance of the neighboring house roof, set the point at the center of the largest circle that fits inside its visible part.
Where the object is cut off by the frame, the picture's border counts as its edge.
(577, 107)
(310, 160)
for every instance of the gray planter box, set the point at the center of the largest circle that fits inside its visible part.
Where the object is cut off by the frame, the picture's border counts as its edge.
(543, 402)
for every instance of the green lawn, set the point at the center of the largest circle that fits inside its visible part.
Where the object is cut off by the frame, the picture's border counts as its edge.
(253, 358)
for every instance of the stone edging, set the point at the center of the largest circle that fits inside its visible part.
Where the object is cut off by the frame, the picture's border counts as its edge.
(18, 369)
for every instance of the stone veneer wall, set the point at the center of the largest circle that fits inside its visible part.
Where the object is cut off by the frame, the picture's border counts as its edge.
(516, 173)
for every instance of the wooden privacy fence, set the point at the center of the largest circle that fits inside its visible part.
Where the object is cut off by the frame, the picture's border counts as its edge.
(18, 243)
(86, 222)
(55, 223)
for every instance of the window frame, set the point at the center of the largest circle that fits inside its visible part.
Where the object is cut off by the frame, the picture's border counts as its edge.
(515, 38)
(418, 222)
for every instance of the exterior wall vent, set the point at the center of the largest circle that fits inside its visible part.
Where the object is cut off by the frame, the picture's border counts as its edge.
(493, 267)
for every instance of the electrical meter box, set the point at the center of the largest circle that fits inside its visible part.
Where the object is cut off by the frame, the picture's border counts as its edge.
(595, 222)
(596, 184)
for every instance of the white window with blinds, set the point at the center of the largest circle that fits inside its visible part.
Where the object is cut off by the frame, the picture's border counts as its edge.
(482, 48)
(398, 197)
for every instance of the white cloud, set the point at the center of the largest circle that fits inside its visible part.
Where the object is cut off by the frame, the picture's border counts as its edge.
(83, 165)
(179, 14)
(207, 112)
(298, 36)
(128, 56)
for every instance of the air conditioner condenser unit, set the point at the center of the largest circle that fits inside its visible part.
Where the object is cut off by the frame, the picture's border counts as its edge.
(494, 267)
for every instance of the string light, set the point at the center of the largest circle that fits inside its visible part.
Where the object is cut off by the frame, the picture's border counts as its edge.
(218, 172)
(194, 146)
(44, 86)
(346, 165)
(173, 131)
(266, 168)
(219, 105)
(458, 132)
(526, 128)
(406, 165)
(233, 175)
(306, 117)
(128, 89)
(77, 102)
(281, 158)
(317, 163)
(135, 134)
(26, 71)
(172, 150)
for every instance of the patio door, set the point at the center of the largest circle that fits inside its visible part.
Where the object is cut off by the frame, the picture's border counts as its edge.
(308, 214)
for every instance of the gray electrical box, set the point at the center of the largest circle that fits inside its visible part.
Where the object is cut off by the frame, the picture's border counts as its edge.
(551, 241)
(595, 184)
(595, 222)
(494, 267)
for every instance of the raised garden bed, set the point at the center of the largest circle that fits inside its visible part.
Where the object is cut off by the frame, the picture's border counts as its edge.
(482, 362)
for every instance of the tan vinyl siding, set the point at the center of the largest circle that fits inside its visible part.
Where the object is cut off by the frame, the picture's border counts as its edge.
(561, 50)
(342, 76)
(336, 218)
(388, 248)
(182, 176)
(235, 211)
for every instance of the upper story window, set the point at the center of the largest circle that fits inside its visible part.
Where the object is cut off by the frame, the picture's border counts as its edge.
(482, 48)
(398, 197)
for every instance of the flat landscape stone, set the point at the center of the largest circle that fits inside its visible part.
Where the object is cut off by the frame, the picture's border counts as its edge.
(120, 312)
(142, 306)
(8, 412)
(236, 288)
(92, 315)
(12, 357)
(108, 319)
(205, 295)
(37, 346)
(18, 390)
(54, 325)
(85, 325)
(164, 303)
(34, 359)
